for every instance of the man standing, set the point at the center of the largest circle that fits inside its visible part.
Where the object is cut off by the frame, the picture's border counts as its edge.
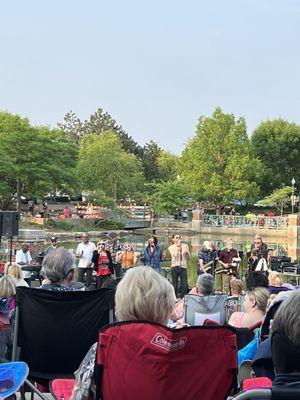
(259, 251)
(226, 261)
(179, 256)
(24, 259)
(53, 245)
(115, 248)
(84, 252)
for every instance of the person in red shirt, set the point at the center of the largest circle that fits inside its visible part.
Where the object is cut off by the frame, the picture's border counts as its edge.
(102, 264)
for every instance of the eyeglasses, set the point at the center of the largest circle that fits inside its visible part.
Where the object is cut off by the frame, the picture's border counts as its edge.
(257, 242)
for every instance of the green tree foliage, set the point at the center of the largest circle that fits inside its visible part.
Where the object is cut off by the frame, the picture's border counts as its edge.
(35, 159)
(98, 123)
(104, 165)
(277, 144)
(280, 198)
(217, 162)
(169, 197)
(150, 155)
(167, 165)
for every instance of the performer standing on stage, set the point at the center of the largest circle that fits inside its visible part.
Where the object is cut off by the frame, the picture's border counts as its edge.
(206, 258)
(229, 269)
(259, 251)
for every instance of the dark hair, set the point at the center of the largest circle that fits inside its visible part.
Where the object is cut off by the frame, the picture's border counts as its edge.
(154, 239)
(256, 279)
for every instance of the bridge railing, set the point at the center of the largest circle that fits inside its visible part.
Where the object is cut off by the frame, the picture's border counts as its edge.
(242, 221)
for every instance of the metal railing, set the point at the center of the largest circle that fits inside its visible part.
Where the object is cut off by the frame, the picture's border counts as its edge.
(242, 221)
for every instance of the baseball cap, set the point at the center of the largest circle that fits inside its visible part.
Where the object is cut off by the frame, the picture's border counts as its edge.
(53, 239)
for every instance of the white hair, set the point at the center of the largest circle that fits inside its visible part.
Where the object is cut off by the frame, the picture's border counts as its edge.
(143, 294)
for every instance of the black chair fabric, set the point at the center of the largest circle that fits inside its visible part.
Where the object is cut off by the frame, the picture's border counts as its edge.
(56, 329)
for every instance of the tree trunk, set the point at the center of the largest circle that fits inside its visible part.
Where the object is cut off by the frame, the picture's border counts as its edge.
(19, 193)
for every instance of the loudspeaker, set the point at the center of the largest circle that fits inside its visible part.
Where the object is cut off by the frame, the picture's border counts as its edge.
(9, 223)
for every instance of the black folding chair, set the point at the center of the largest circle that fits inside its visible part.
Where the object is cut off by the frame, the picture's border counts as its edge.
(274, 393)
(54, 330)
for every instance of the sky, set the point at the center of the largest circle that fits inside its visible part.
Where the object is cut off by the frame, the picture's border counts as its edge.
(155, 66)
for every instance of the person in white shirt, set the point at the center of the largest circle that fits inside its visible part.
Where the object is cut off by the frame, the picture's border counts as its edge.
(84, 252)
(24, 259)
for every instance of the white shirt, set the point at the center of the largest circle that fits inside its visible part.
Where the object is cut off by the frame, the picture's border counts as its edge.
(22, 257)
(86, 250)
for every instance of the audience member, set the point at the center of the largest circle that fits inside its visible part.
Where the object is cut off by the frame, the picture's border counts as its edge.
(204, 287)
(143, 294)
(16, 273)
(285, 332)
(236, 287)
(256, 279)
(7, 305)
(276, 283)
(255, 305)
(59, 268)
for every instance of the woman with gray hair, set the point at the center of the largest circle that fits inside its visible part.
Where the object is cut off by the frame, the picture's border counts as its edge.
(143, 294)
(59, 267)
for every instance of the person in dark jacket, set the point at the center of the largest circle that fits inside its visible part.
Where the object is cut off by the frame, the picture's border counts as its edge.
(285, 331)
(153, 254)
(103, 265)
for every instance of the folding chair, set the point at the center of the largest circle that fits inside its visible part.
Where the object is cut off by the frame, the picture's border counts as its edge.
(273, 393)
(199, 308)
(145, 360)
(54, 330)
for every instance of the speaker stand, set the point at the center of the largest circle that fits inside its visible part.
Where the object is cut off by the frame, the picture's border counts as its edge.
(10, 252)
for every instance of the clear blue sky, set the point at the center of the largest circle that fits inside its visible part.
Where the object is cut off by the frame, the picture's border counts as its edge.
(155, 66)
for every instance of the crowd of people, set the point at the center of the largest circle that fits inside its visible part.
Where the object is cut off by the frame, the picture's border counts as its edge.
(142, 293)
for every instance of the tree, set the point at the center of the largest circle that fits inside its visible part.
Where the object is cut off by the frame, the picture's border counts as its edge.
(217, 162)
(98, 123)
(169, 197)
(104, 164)
(277, 144)
(167, 165)
(150, 154)
(280, 197)
(37, 159)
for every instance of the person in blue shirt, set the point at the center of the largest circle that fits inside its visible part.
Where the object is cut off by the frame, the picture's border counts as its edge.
(153, 254)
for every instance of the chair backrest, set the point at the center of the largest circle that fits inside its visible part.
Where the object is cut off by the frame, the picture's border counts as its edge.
(199, 308)
(273, 393)
(54, 330)
(146, 360)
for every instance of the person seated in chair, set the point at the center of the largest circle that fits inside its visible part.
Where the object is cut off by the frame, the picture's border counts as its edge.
(255, 305)
(285, 331)
(59, 268)
(204, 287)
(143, 294)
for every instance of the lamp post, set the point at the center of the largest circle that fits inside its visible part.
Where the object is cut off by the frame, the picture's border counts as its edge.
(293, 195)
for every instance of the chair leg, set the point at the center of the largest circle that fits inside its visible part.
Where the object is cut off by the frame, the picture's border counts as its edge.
(22, 392)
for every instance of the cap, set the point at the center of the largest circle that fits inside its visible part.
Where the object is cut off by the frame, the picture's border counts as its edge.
(53, 239)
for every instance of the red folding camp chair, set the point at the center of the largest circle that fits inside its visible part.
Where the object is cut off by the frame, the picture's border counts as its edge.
(141, 360)
(146, 360)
